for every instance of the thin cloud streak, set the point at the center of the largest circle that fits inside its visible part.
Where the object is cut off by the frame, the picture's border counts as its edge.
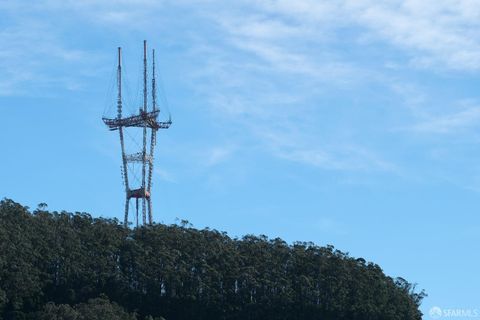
(435, 34)
(449, 123)
(263, 71)
(32, 57)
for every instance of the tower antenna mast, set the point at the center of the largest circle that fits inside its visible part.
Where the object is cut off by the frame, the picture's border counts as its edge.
(153, 139)
(148, 121)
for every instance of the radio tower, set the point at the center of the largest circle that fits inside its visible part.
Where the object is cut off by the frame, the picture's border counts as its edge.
(145, 120)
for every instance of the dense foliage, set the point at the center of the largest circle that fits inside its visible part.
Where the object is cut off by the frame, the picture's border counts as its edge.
(71, 266)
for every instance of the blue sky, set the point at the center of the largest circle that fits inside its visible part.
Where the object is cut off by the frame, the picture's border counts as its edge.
(352, 123)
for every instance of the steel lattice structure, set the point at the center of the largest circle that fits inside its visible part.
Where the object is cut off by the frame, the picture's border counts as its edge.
(146, 120)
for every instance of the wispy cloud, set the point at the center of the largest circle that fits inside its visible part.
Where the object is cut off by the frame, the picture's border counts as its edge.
(439, 34)
(165, 175)
(343, 158)
(217, 155)
(436, 34)
(431, 34)
(449, 123)
(285, 43)
(265, 74)
(266, 66)
(32, 57)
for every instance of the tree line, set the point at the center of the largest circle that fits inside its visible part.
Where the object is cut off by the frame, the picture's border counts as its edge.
(61, 265)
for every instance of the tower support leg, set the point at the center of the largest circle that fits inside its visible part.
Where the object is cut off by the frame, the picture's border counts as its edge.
(144, 211)
(125, 221)
(149, 211)
(136, 206)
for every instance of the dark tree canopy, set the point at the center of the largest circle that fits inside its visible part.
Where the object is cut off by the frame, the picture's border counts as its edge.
(95, 309)
(60, 265)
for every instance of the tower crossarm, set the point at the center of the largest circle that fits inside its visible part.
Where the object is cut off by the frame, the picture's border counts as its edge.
(139, 120)
(164, 125)
(138, 193)
(138, 157)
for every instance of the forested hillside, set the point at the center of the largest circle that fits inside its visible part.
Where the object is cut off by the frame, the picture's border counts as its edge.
(59, 265)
